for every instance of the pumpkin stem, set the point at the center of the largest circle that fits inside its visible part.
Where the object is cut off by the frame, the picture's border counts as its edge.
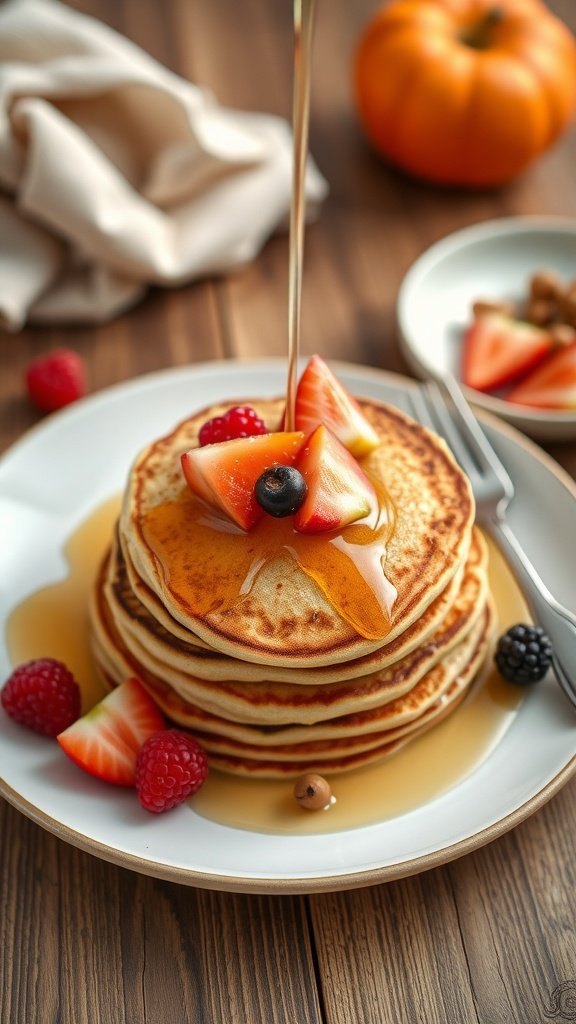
(479, 35)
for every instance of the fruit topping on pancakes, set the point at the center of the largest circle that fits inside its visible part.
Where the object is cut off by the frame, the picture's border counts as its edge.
(280, 491)
(225, 474)
(311, 472)
(339, 492)
(241, 421)
(321, 398)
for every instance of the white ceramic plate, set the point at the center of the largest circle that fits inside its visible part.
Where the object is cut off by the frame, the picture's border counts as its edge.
(52, 479)
(495, 260)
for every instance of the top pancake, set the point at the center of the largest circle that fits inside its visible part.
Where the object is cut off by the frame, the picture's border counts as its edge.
(295, 624)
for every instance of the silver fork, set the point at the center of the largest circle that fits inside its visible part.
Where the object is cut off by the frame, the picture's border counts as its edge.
(441, 405)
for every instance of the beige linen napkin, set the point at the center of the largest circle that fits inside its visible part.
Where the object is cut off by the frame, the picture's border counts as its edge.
(115, 173)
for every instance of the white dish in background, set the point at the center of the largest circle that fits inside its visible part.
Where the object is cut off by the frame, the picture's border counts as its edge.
(491, 260)
(53, 478)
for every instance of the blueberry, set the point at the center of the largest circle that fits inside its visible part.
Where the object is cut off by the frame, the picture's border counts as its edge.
(523, 654)
(280, 490)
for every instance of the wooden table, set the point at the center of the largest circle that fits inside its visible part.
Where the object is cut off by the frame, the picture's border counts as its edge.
(487, 938)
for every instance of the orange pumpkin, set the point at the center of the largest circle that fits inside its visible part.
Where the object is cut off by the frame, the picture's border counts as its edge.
(465, 92)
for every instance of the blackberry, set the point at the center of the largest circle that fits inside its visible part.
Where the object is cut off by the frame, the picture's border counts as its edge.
(523, 654)
(280, 490)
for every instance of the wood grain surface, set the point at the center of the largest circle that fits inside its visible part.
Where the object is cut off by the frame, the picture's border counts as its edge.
(488, 938)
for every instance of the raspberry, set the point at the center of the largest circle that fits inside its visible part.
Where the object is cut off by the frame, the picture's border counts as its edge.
(241, 421)
(56, 380)
(169, 768)
(523, 654)
(43, 695)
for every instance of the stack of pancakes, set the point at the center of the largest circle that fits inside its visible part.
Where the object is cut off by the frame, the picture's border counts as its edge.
(279, 683)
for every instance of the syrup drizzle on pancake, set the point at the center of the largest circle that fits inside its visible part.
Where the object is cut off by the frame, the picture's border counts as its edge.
(209, 564)
(296, 624)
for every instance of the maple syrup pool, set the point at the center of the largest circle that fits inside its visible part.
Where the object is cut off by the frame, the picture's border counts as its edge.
(53, 622)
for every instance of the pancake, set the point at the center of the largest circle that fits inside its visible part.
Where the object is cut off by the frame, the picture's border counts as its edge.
(281, 701)
(367, 738)
(148, 601)
(361, 730)
(168, 642)
(244, 638)
(436, 692)
(382, 708)
(285, 618)
(346, 757)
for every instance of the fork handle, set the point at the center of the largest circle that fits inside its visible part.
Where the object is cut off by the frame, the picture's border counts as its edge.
(556, 621)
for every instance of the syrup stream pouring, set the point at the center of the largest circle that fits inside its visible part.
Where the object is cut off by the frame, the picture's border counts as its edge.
(303, 34)
(441, 405)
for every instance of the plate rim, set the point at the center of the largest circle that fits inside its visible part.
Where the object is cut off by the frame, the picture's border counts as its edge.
(482, 230)
(310, 883)
(303, 885)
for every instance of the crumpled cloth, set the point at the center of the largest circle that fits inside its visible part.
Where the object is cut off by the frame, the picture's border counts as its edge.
(116, 174)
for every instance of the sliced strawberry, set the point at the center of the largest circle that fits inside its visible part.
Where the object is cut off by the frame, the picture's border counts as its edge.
(224, 474)
(105, 742)
(552, 385)
(498, 349)
(321, 398)
(339, 492)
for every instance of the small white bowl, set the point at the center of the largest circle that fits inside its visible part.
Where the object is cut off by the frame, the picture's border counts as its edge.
(491, 260)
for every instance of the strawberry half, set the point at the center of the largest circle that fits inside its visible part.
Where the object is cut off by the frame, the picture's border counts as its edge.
(339, 492)
(224, 474)
(552, 385)
(321, 398)
(105, 742)
(498, 349)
